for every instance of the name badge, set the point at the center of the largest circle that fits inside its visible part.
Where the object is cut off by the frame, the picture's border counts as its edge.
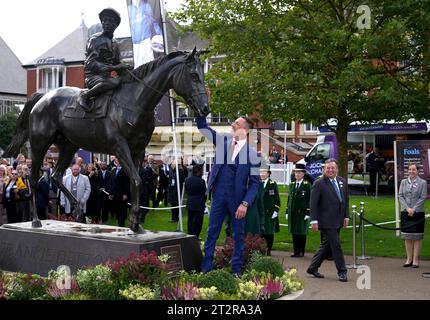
(271, 192)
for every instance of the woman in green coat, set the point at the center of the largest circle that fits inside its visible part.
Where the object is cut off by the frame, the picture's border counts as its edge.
(298, 210)
(272, 203)
(255, 214)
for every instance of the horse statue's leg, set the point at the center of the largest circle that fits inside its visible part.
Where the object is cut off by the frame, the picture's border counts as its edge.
(36, 164)
(122, 151)
(66, 154)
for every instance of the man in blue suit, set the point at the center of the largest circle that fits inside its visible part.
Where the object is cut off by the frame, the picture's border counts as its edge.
(233, 181)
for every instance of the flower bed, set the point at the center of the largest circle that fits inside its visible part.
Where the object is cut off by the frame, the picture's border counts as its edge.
(145, 277)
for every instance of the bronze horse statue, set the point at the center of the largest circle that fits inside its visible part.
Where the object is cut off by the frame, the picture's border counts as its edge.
(125, 131)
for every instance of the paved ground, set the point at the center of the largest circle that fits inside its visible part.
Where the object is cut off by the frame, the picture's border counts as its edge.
(388, 279)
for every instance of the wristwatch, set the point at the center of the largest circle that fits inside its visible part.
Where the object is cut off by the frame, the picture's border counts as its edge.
(245, 204)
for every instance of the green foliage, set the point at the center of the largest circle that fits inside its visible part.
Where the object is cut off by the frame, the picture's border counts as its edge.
(144, 268)
(139, 292)
(7, 128)
(223, 280)
(307, 60)
(191, 277)
(97, 282)
(252, 244)
(22, 286)
(77, 296)
(268, 265)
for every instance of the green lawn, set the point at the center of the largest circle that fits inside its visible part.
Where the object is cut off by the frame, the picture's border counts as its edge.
(378, 242)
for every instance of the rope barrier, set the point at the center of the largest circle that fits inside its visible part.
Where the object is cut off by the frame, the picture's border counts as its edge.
(394, 229)
(373, 224)
(149, 208)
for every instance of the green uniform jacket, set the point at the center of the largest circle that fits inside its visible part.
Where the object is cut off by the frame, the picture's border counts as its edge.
(255, 213)
(272, 203)
(298, 207)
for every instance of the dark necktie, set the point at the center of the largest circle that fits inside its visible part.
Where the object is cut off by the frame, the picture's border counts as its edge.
(233, 146)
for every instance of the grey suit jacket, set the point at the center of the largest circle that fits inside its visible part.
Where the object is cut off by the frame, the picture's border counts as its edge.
(413, 195)
(83, 192)
(326, 207)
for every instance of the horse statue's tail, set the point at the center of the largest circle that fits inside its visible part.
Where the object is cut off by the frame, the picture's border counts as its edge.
(22, 127)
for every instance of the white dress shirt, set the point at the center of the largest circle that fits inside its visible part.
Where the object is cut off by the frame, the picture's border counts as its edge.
(239, 145)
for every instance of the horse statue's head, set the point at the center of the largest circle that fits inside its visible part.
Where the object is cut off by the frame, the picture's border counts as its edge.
(189, 83)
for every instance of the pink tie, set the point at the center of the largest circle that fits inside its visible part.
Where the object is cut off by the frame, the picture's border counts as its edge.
(233, 149)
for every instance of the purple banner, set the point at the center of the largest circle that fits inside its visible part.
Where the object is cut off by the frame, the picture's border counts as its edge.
(385, 127)
(413, 151)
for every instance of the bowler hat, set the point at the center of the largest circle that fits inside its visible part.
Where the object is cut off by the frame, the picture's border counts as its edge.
(265, 167)
(300, 167)
(111, 13)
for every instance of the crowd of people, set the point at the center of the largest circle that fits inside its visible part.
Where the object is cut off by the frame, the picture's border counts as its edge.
(102, 189)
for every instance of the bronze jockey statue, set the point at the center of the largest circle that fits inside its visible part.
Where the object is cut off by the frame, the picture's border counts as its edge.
(103, 67)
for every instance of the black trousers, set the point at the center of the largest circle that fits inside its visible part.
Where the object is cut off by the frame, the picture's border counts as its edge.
(329, 255)
(104, 206)
(120, 209)
(372, 178)
(331, 242)
(195, 222)
(269, 239)
(10, 206)
(42, 213)
(175, 213)
(162, 196)
(299, 243)
(151, 191)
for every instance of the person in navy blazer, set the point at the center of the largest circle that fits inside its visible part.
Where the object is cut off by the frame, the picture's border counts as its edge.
(119, 192)
(195, 187)
(104, 176)
(329, 205)
(234, 182)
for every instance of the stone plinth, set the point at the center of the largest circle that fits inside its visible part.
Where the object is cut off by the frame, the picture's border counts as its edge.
(38, 250)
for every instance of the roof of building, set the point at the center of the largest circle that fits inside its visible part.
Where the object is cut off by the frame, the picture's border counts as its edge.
(72, 47)
(13, 77)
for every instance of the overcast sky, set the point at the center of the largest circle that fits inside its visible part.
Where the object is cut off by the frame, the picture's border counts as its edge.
(31, 27)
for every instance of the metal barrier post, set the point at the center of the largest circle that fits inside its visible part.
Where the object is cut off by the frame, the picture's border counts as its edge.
(354, 265)
(362, 257)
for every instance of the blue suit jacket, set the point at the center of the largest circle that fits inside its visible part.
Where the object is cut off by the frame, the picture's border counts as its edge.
(247, 175)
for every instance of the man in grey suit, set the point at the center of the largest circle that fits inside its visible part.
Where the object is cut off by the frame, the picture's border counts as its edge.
(79, 186)
(329, 213)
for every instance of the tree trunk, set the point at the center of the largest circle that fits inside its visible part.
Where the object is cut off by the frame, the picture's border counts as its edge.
(342, 147)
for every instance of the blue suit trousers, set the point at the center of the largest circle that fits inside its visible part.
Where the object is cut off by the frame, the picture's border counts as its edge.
(221, 205)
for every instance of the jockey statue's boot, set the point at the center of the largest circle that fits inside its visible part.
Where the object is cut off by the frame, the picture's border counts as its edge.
(83, 101)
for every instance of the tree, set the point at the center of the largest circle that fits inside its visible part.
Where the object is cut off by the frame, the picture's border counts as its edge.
(309, 60)
(7, 128)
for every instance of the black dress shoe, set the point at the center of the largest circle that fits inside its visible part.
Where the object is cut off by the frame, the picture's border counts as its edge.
(343, 277)
(415, 266)
(315, 273)
(407, 265)
(294, 255)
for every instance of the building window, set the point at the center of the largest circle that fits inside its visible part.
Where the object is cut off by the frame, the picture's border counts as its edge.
(7, 105)
(310, 127)
(283, 126)
(51, 74)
